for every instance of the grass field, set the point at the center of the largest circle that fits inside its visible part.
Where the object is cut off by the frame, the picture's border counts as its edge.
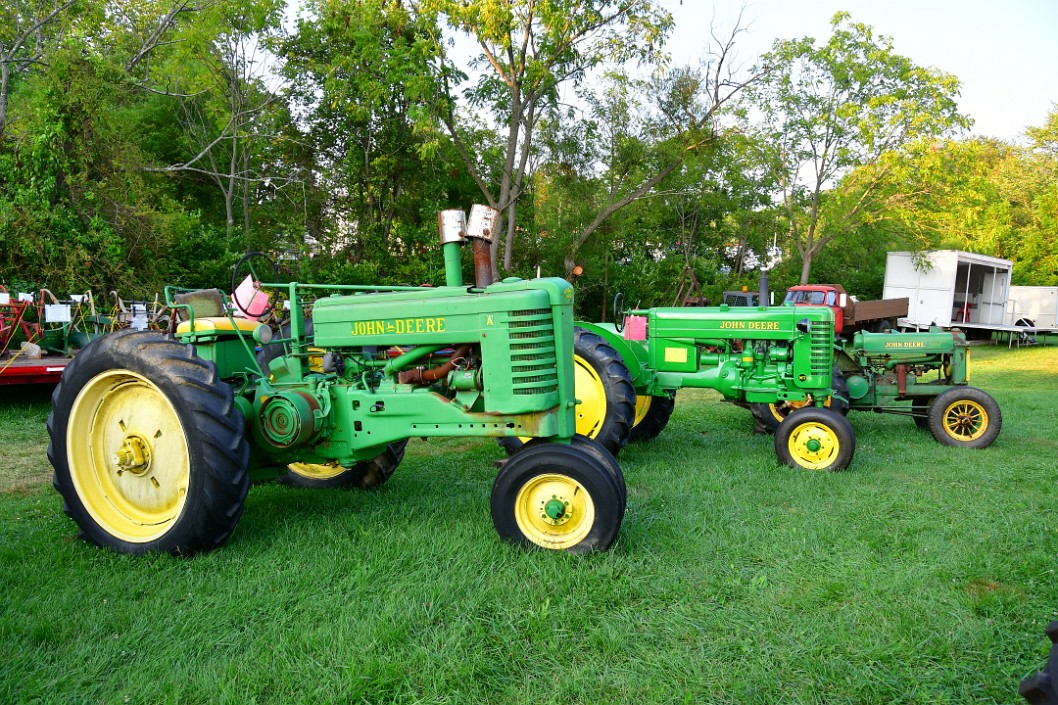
(924, 574)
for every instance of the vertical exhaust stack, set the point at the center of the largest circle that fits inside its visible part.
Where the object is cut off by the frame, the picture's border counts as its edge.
(762, 289)
(452, 225)
(480, 229)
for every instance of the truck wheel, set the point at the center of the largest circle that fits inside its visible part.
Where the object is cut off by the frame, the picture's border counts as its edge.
(883, 326)
(769, 416)
(965, 416)
(815, 439)
(365, 475)
(652, 416)
(604, 388)
(1042, 688)
(147, 446)
(920, 407)
(557, 497)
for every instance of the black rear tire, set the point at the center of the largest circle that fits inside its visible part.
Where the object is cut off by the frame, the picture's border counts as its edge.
(966, 417)
(557, 497)
(604, 387)
(655, 418)
(815, 438)
(148, 446)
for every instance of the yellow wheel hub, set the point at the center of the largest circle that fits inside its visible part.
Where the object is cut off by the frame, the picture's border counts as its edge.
(317, 471)
(814, 446)
(965, 420)
(642, 407)
(554, 511)
(591, 398)
(128, 456)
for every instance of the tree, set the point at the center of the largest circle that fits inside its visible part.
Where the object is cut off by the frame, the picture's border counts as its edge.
(529, 48)
(825, 110)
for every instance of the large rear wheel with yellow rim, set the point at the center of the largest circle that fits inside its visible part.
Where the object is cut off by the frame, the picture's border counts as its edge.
(365, 475)
(966, 417)
(606, 399)
(147, 446)
(815, 438)
(652, 416)
(558, 497)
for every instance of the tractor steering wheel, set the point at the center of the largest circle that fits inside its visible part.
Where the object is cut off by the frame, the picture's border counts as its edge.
(618, 312)
(245, 266)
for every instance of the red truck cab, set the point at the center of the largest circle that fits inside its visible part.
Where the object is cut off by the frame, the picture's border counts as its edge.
(820, 295)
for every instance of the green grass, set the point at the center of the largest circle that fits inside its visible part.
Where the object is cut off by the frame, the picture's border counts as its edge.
(924, 574)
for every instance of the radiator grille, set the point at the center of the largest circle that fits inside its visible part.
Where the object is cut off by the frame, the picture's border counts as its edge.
(822, 345)
(533, 360)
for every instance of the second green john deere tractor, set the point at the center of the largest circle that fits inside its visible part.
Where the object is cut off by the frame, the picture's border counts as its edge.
(155, 439)
(785, 365)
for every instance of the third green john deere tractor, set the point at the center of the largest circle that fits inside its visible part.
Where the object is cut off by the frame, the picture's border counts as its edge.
(155, 438)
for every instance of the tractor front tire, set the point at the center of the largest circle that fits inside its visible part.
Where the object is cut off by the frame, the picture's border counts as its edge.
(148, 446)
(1042, 688)
(652, 416)
(365, 475)
(604, 389)
(769, 416)
(965, 417)
(557, 497)
(815, 438)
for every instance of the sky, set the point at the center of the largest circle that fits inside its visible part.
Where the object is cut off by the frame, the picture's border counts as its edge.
(1004, 53)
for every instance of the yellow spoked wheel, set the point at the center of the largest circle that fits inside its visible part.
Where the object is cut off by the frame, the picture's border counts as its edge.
(365, 475)
(815, 438)
(147, 446)
(558, 497)
(965, 416)
(965, 420)
(554, 511)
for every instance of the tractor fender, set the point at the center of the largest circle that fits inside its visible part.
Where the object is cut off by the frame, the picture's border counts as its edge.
(633, 353)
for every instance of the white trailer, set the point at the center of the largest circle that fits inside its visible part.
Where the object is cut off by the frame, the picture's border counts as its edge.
(1033, 306)
(949, 287)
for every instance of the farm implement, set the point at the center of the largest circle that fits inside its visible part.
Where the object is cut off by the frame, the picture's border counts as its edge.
(155, 439)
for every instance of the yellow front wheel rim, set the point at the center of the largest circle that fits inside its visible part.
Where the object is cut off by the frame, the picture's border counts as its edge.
(965, 420)
(128, 456)
(591, 398)
(554, 511)
(814, 446)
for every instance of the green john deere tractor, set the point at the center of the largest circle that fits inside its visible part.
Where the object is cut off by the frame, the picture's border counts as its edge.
(751, 356)
(156, 438)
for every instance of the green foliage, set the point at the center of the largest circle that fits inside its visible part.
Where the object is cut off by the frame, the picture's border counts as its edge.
(827, 109)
